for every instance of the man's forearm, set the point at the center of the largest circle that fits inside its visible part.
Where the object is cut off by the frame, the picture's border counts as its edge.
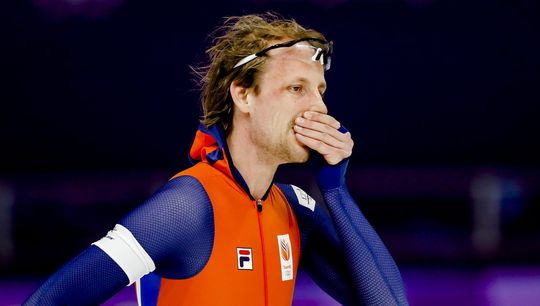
(88, 279)
(376, 278)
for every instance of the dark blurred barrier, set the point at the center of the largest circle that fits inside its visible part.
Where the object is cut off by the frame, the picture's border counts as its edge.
(451, 215)
(54, 216)
(464, 216)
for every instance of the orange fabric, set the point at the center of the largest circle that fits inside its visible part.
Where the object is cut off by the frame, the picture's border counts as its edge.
(238, 224)
(204, 144)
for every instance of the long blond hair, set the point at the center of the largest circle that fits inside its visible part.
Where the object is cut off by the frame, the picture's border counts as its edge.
(238, 37)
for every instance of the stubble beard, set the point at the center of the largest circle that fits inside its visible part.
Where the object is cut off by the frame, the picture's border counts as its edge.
(281, 149)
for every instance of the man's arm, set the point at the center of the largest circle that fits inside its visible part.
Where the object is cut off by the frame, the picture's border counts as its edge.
(342, 247)
(341, 251)
(374, 275)
(88, 279)
(155, 236)
(322, 254)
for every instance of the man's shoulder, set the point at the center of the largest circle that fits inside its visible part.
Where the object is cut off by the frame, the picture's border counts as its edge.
(297, 196)
(200, 169)
(178, 191)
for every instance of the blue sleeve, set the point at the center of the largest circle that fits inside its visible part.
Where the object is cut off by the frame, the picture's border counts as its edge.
(341, 251)
(88, 279)
(164, 226)
(321, 250)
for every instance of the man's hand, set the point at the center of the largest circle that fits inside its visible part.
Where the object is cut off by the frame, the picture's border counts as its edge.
(320, 132)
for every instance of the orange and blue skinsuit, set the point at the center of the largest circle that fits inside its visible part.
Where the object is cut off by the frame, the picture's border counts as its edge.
(202, 239)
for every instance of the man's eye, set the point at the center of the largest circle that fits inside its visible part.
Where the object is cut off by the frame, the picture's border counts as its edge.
(296, 88)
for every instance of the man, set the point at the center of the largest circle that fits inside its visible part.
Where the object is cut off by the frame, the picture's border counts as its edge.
(221, 232)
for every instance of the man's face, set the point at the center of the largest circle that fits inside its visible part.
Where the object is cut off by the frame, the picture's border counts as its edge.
(290, 84)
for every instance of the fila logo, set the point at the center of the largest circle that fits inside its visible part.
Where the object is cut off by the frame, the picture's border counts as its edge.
(285, 257)
(244, 258)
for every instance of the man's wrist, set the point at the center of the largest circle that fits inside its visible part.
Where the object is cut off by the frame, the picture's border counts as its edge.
(332, 176)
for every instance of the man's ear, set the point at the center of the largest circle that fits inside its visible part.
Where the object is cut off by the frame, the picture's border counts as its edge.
(239, 95)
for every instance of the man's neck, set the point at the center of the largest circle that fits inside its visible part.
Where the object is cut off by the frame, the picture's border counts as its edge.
(257, 172)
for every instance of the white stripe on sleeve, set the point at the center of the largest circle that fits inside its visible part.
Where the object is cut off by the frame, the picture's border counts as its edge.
(126, 251)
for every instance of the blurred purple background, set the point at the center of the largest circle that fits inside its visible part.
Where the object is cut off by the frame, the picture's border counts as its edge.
(98, 109)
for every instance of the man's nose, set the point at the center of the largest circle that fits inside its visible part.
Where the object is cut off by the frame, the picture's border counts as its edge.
(318, 105)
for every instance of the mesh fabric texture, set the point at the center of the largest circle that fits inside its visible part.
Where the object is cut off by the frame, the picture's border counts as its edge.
(175, 227)
(88, 279)
(343, 253)
(374, 274)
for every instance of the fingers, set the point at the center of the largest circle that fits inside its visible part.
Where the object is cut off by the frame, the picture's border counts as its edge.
(323, 118)
(320, 132)
(324, 137)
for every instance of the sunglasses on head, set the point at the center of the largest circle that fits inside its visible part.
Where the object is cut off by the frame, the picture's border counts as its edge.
(321, 54)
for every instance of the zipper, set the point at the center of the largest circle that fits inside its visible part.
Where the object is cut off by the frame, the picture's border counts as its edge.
(259, 205)
(259, 216)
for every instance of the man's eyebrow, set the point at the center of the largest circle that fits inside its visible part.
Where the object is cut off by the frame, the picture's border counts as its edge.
(306, 81)
(300, 79)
